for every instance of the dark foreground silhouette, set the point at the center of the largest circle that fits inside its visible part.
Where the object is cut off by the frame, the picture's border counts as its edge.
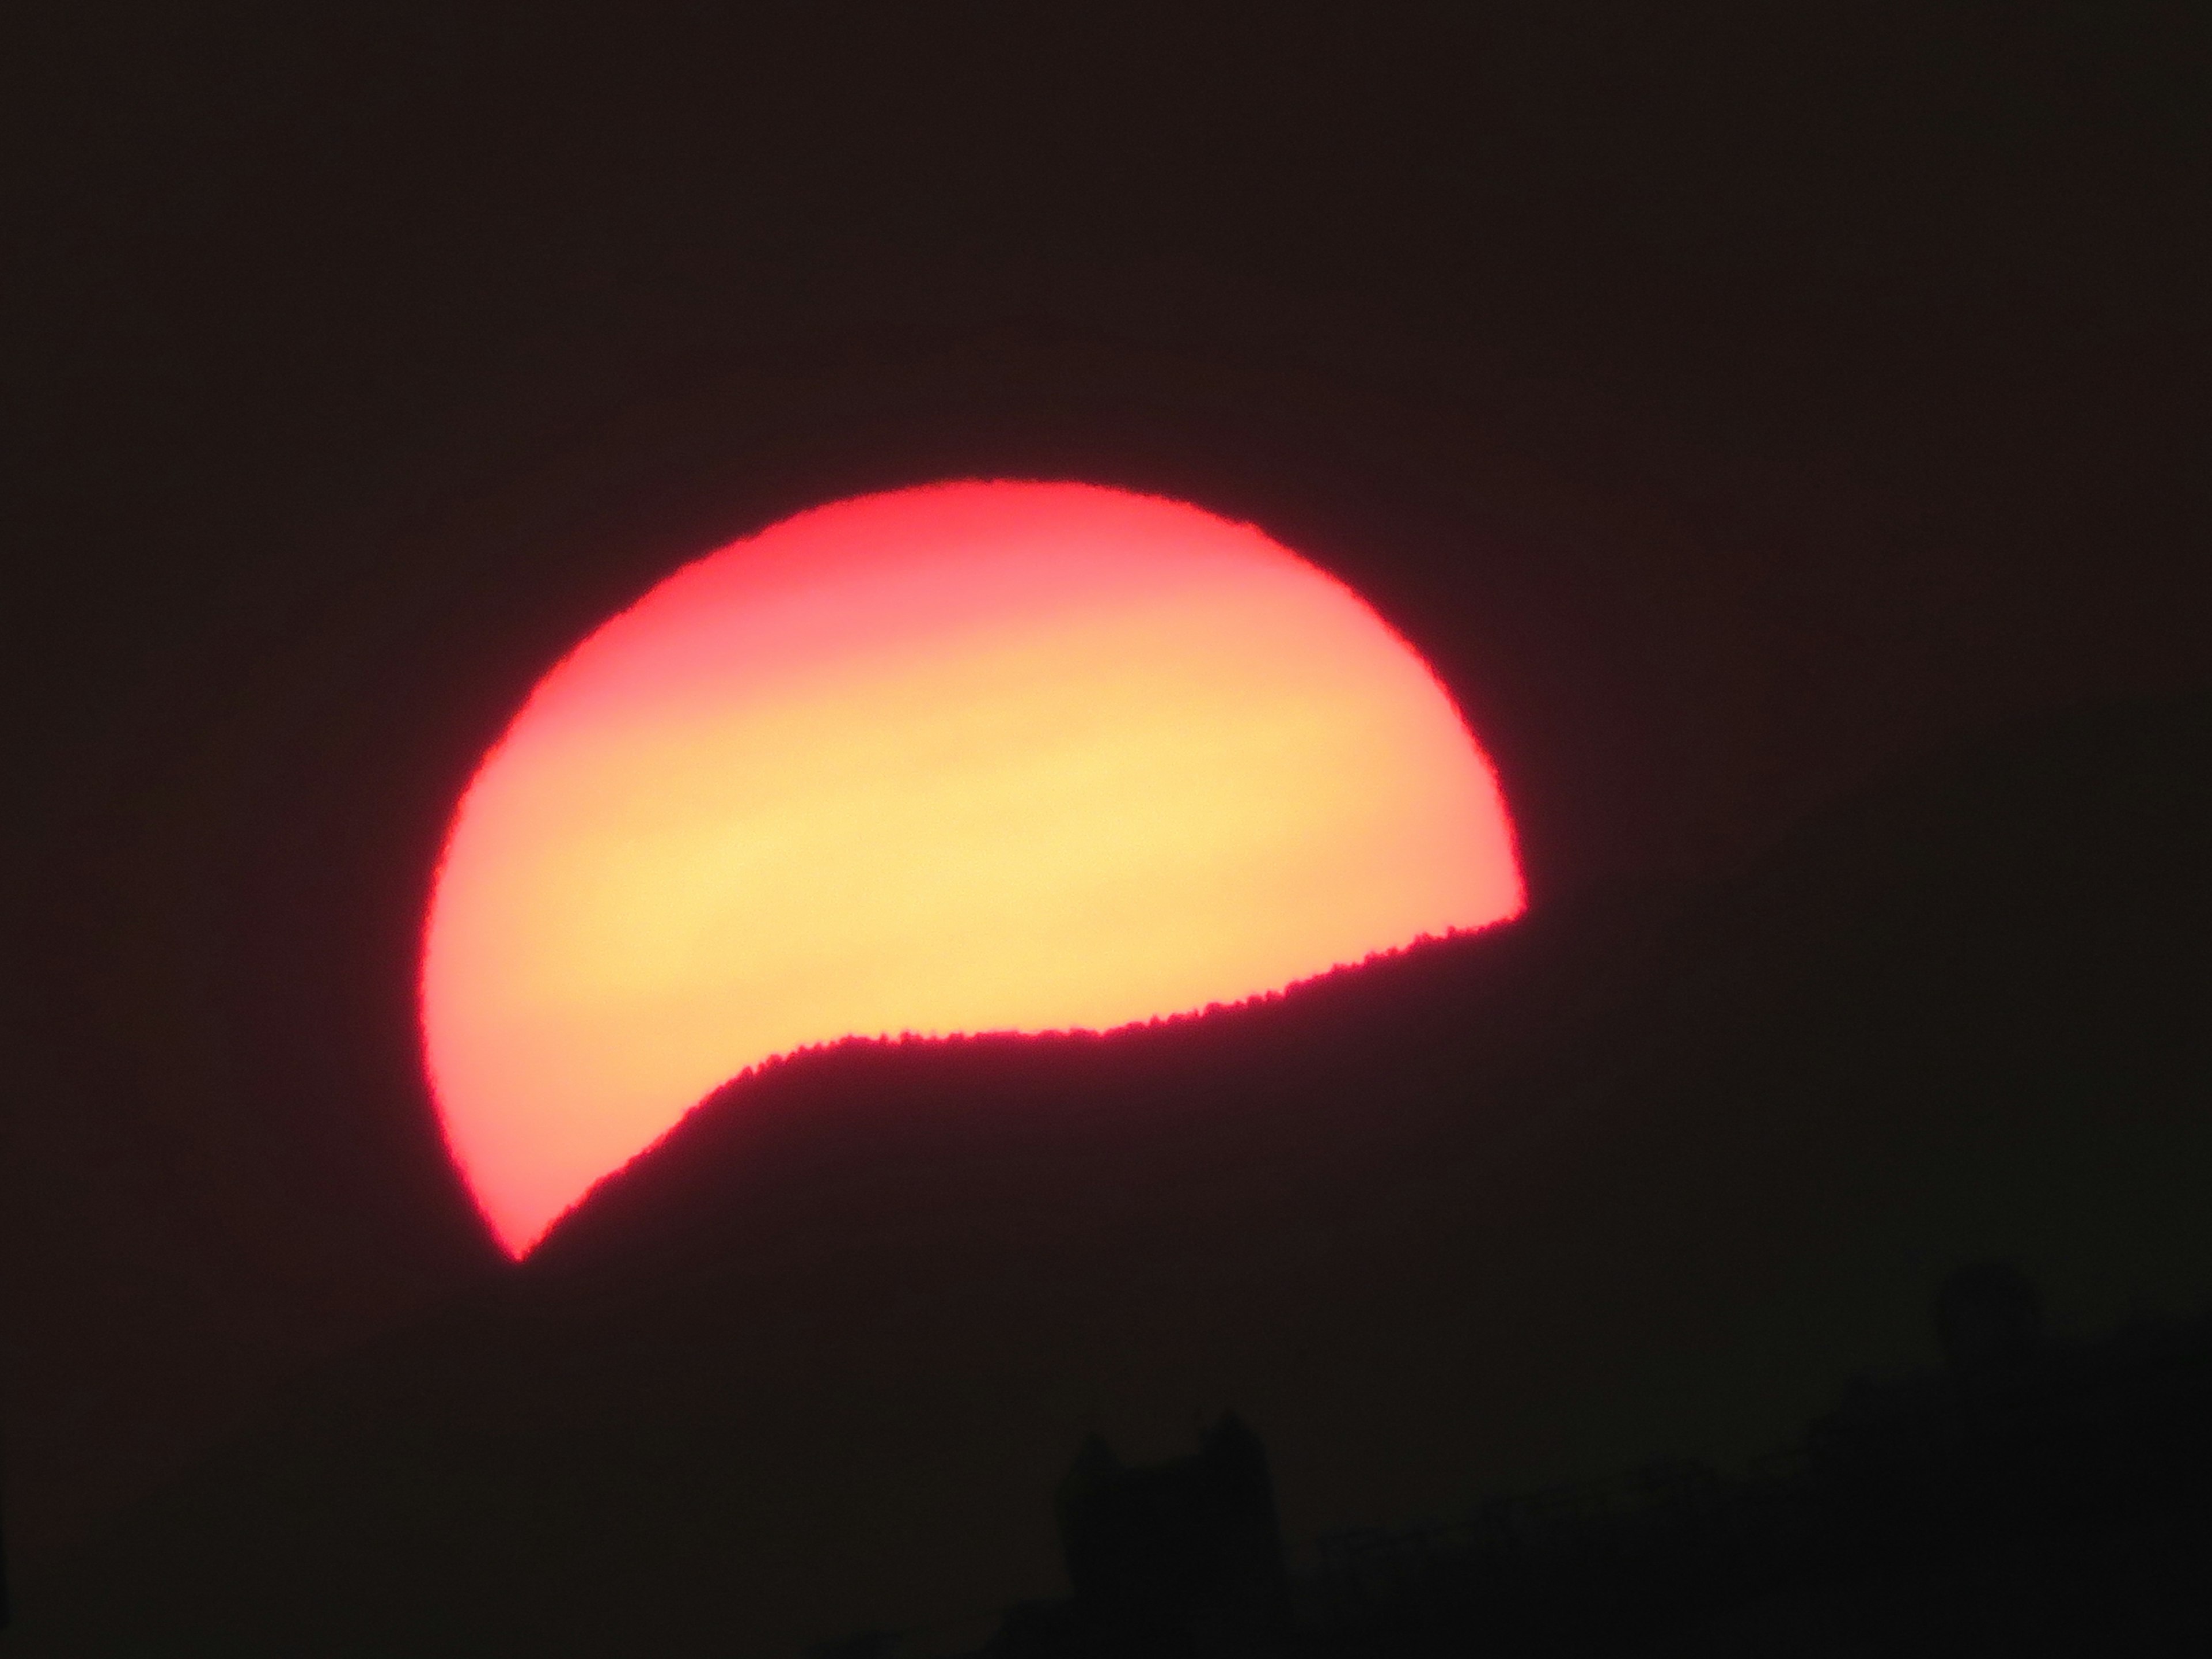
(1652, 1170)
(2029, 1497)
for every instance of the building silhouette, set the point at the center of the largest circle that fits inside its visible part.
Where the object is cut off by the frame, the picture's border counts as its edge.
(1179, 1558)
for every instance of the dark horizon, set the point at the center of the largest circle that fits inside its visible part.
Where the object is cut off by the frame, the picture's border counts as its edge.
(884, 1282)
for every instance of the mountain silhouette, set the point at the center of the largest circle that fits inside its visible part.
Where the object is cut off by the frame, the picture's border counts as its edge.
(1650, 1172)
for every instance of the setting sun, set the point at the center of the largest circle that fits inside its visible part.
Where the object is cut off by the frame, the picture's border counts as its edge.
(981, 757)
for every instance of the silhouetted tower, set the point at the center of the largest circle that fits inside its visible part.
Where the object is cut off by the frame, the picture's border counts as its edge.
(1988, 1318)
(1194, 1539)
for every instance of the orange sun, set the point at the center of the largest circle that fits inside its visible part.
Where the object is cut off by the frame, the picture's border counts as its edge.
(981, 757)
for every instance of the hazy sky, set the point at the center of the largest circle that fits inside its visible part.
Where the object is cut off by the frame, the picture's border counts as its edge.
(1729, 402)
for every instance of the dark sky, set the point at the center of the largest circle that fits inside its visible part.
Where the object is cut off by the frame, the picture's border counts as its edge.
(1732, 400)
